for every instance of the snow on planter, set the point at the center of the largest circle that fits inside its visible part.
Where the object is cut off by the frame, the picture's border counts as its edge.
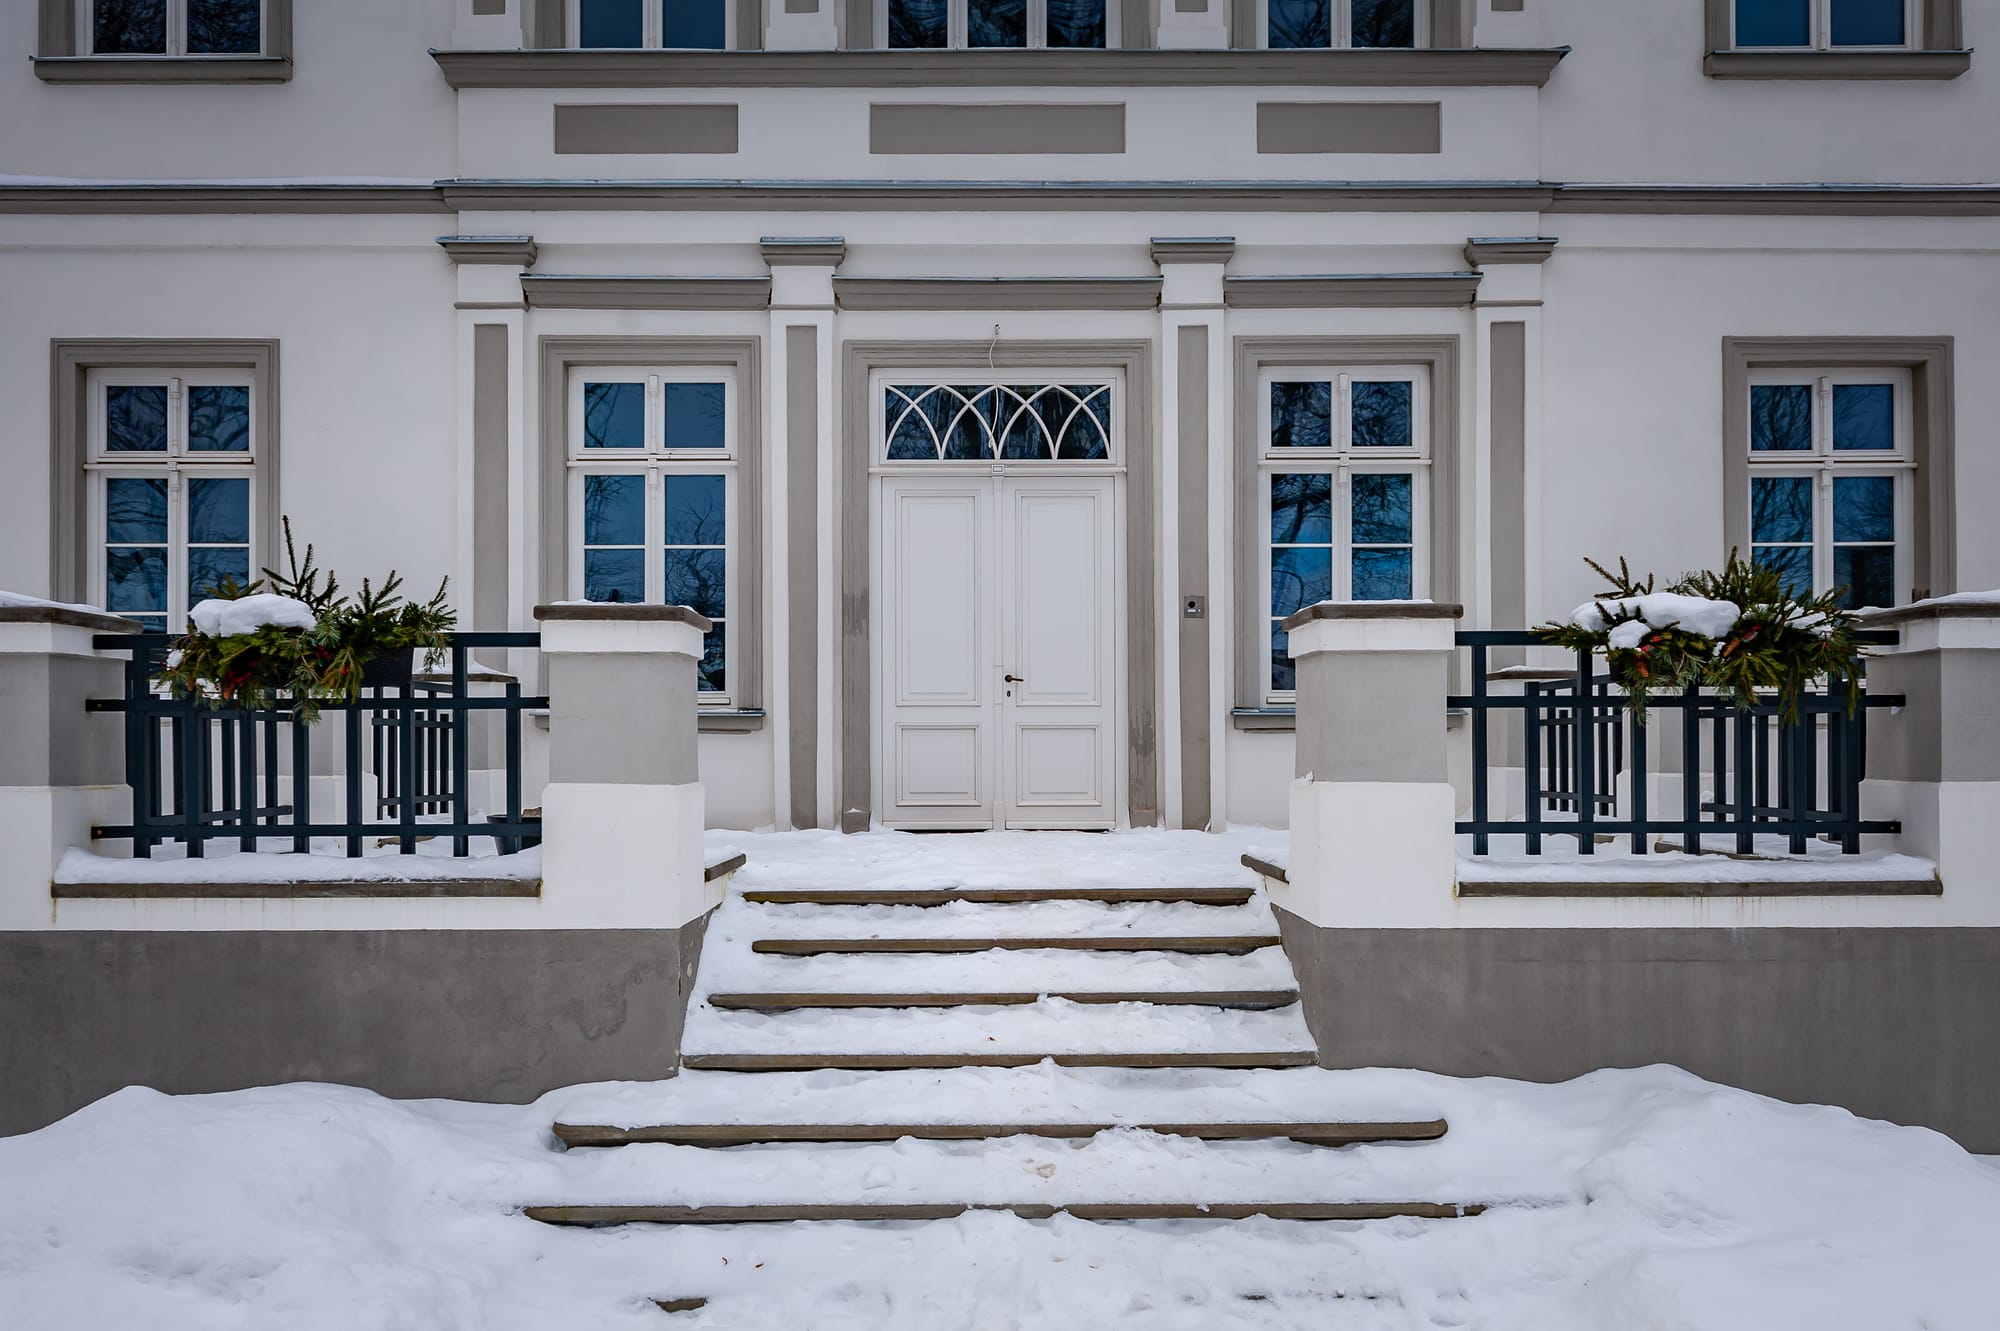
(1660, 610)
(247, 614)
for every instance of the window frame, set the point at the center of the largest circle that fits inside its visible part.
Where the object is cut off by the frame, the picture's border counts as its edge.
(653, 28)
(1341, 30)
(655, 462)
(880, 381)
(958, 21)
(1819, 30)
(176, 21)
(1341, 460)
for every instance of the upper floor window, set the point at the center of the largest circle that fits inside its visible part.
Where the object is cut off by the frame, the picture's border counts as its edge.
(691, 25)
(172, 27)
(990, 23)
(1353, 23)
(1821, 25)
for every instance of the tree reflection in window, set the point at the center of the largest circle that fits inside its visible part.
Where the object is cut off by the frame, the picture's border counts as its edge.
(224, 27)
(919, 23)
(989, 422)
(1384, 23)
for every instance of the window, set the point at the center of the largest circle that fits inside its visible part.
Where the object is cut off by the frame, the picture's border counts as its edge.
(172, 467)
(1821, 25)
(1831, 475)
(992, 422)
(653, 494)
(171, 27)
(699, 25)
(914, 24)
(1343, 484)
(1291, 24)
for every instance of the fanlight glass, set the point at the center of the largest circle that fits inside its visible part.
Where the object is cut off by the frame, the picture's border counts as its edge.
(997, 422)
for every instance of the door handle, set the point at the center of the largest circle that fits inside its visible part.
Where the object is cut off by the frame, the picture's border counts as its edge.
(1014, 679)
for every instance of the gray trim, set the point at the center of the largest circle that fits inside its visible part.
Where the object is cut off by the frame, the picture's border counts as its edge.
(611, 291)
(1442, 291)
(1836, 64)
(1349, 127)
(854, 725)
(1135, 24)
(1191, 517)
(70, 361)
(1312, 614)
(1964, 607)
(1264, 718)
(802, 567)
(163, 69)
(550, 30)
(804, 251)
(95, 620)
(179, 197)
(648, 128)
(1250, 355)
(489, 8)
(1509, 6)
(1481, 251)
(295, 890)
(1940, 32)
(952, 129)
(1451, 24)
(1934, 558)
(729, 720)
(1508, 551)
(550, 448)
(512, 251)
(997, 293)
(1616, 888)
(876, 68)
(857, 29)
(1819, 200)
(646, 613)
(750, 24)
(56, 24)
(1193, 249)
(491, 530)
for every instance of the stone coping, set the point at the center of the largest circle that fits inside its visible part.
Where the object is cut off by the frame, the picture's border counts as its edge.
(723, 867)
(1668, 887)
(602, 612)
(1266, 869)
(1372, 610)
(369, 888)
(1964, 606)
(62, 614)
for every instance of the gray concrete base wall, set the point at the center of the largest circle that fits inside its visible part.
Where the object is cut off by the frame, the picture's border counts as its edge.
(469, 1014)
(1899, 1024)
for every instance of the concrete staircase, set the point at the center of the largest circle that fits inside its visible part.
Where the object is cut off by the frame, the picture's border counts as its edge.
(856, 1022)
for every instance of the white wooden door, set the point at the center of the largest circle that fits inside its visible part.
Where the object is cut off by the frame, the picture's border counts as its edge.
(997, 652)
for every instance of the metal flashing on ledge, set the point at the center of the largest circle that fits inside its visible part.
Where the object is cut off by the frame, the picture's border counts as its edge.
(1264, 718)
(164, 197)
(804, 251)
(626, 610)
(1193, 249)
(1337, 68)
(71, 616)
(1483, 250)
(365, 887)
(163, 68)
(1835, 65)
(618, 292)
(517, 251)
(1611, 888)
(1352, 290)
(1827, 199)
(1372, 610)
(729, 721)
(997, 293)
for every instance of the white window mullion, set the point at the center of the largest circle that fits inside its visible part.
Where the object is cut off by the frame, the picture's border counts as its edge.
(177, 43)
(656, 536)
(1343, 529)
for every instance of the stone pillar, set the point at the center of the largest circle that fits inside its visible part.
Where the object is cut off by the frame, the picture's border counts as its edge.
(1372, 808)
(1934, 763)
(62, 768)
(622, 813)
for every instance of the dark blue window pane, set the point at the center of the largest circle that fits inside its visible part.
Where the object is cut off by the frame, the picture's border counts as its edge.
(1868, 572)
(210, 570)
(973, 418)
(1864, 508)
(135, 579)
(614, 415)
(1864, 416)
(713, 677)
(224, 27)
(1774, 22)
(1301, 415)
(1868, 23)
(1301, 508)
(695, 25)
(1780, 418)
(1793, 562)
(694, 416)
(614, 575)
(1381, 414)
(611, 23)
(1083, 440)
(918, 23)
(1074, 23)
(1781, 508)
(1300, 578)
(1284, 675)
(129, 27)
(1381, 510)
(150, 623)
(219, 511)
(697, 511)
(614, 510)
(695, 578)
(219, 419)
(1385, 22)
(135, 418)
(1301, 23)
(996, 22)
(135, 510)
(1382, 575)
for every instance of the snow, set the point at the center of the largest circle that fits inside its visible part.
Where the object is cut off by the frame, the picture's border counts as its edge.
(1140, 857)
(1631, 1198)
(1986, 598)
(1562, 865)
(1630, 634)
(247, 614)
(273, 862)
(1662, 610)
(21, 601)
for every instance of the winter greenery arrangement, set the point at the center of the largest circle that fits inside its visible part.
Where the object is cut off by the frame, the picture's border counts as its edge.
(302, 639)
(1738, 631)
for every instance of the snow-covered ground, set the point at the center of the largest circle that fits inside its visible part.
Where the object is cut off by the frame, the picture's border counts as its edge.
(1139, 857)
(1630, 1199)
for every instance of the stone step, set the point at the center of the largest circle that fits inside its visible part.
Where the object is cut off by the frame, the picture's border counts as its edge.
(994, 896)
(1223, 998)
(681, 1305)
(782, 1212)
(1197, 943)
(1277, 1058)
(753, 1134)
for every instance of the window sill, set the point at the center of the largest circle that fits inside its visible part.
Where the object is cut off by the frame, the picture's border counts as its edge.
(1264, 718)
(725, 721)
(1836, 64)
(163, 68)
(958, 68)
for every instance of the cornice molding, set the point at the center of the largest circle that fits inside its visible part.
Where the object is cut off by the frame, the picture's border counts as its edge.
(804, 251)
(1822, 200)
(181, 197)
(163, 68)
(1481, 251)
(1341, 68)
(1193, 249)
(1351, 290)
(997, 293)
(1836, 65)
(620, 292)
(517, 251)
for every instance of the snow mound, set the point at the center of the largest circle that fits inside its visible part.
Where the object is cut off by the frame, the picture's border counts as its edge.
(247, 614)
(1661, 610)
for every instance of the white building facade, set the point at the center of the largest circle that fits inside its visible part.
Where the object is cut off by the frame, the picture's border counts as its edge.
(996, 376)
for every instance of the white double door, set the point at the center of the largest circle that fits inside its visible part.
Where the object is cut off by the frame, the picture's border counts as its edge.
(997, 650)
